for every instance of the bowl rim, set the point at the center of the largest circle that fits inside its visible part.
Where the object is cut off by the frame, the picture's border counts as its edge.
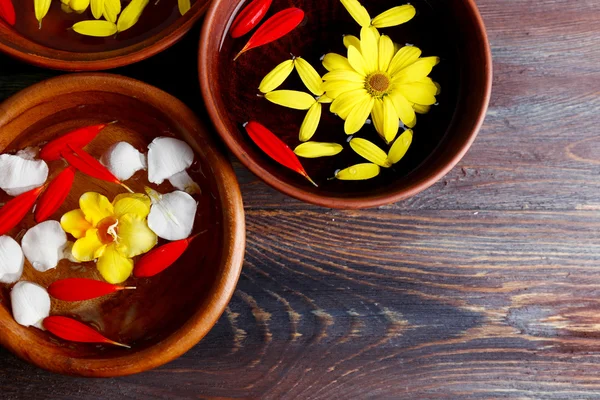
(340, 202)
(115, 58)
(200, 323)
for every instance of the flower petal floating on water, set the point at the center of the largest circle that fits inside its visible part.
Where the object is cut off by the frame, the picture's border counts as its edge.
(75, 331)
(167, 157)
(400, 147)
(311, 122)
(370, 152)
(112, 8)
(358, 172)
(274, 28)
(19, 175)
(131, 14)
(43, 245)
(30, 304)
(249, 17)
(291, 98)
(15, 210)
(78, 138)
(184, 6)
(81, 289)
(96, 28)
(97, 8)
(358, 12)
(310, 77)
(41, 8)
(161, 258)
(394, 16)
(317, 149)
(277, 76)
(172, 215)
(55, 195)
(7, 12)
(123, 160)
(184, 182)
(11, 260)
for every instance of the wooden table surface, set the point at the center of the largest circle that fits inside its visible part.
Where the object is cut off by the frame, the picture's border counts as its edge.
(487, 285)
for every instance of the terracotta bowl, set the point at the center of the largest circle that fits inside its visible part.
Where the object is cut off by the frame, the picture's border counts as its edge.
(450, 29)
(159, 38)
(169, 313)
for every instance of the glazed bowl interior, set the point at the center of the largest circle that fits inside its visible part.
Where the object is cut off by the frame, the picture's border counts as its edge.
(450, 29)
(159, 27)
(169, 313)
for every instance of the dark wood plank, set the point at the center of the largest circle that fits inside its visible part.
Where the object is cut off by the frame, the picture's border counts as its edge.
(484, 286)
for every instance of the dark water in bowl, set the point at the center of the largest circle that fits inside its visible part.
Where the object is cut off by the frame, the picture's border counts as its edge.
(321, 32)
(56, 29)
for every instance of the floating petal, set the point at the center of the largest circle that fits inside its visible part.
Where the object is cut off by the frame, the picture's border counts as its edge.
(291, 98)
(112, 8)
(43, 245)
(351, 40)
(358, 12)
(404, 57)
(19, 175)
(359, 114)
(390, 120)
(394, 16)
(113, 266)
(97, 8)
(400, 146)
(41, 8)
(418, 92)
(416, 71)
(184, 182)
(311, 122)
(334, 61)
(311, 78)
(172, 215)
(135, 237)
(123, 160)
(184, 6)
(318, 149)
(30, 304)
(403, 108)
(370, 152)
(132, 203)
(358, 172)
(167, 157)
(131, 14)
(11, 260)
(276, 77)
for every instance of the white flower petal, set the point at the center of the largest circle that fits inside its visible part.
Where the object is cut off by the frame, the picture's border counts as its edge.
(19, 175)
(43, 245)
(30, 304)
(172, 215)
(166, 157)
(183, 181)
(11, 260)
(123, 160)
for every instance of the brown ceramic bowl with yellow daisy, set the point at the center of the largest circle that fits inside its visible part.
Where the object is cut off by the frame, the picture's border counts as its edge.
(53, 43)
(382, 99)
(168, 311)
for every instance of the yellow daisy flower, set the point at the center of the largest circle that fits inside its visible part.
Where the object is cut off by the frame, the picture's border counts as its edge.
(112, 233)
(377, 80)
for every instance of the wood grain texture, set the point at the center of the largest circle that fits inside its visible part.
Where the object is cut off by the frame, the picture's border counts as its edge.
(485, 286)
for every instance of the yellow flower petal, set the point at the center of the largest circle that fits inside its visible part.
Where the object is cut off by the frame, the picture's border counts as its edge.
(421, 109)
(386, 52)
(41, 9)
(95, 207)
(357, 11)
(377, 116)
(334, 61)
(415, 71)
(324, 99)
(135, 237)
(357, 61)
(418, 92)
(351, 40)
(74, 222)
(397, 47)
(358, 116)
(184, 6)
(132, 203)
(336, 88)
(112, 8)
(131, 14)
(390, 120)
(277, 76)
(97, 8)
(79, 5)
(318, 149)
(369, 50)
(344, 75)
(310, 77)
(370, 152)
(89, 247)
(291, 99)
(400, 146)
(358, 172)
(311, 122)
(343, 105)
(394, 16)
(403, 58)
(113, 266)
(96, 28)
(375, 32)
(403, 109)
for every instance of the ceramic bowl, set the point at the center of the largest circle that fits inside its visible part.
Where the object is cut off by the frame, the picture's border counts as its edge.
(160, 38)
(450, 29)
(169, 313)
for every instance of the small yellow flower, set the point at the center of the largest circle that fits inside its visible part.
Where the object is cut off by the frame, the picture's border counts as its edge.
(113, 233)
(382, 82)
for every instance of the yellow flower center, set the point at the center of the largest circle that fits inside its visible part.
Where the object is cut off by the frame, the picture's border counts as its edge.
(108, 230)
(377, 84)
